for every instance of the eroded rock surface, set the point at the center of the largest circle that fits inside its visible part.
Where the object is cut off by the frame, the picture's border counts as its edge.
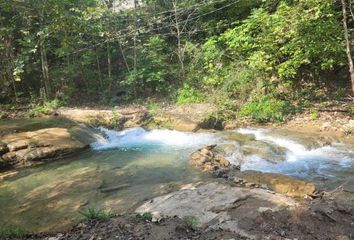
(218, 206)
(31, 147)
(207, 160)
(280, 183)
(115, 118)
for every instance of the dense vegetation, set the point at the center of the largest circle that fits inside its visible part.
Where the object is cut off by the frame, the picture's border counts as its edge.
(258, 58)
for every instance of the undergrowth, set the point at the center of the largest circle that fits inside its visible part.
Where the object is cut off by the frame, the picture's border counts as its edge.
(96, 214)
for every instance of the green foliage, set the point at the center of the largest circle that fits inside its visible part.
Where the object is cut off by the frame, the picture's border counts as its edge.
(96, 214)
(191, 222)
(189, 94)
(151, 105)
(296, 35)
(13, 232)
(154, 72)
(266, 109)
(351, 111)
(245, 50)
(146, 216)
(314, 114)
(45, 109)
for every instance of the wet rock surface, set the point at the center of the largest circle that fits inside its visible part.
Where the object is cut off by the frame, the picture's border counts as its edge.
(280, 183)
(207, 160)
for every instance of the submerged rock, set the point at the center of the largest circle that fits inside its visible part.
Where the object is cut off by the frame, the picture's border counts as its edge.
(266, 151)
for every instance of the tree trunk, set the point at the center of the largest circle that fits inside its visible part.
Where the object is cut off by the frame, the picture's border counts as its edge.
(135, 50)
(9, 69)
(99, 68)
(45, 70)
(348, 48)
(109, 61)
(180, 50)
(124, 58)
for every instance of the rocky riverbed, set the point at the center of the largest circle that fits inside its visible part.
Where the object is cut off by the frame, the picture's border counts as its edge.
(217, 186)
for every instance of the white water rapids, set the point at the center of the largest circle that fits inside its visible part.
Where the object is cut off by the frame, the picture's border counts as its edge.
(157, 138)
(298, 160)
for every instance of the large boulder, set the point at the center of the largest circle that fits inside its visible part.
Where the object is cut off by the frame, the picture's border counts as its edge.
(280, 183)
(27, 148)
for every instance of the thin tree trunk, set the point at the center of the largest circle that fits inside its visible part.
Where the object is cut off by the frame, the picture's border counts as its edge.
(124, 58)
(180, 51)
(45, 70)
(44, 61)
(99, 68)
(9, 69)
(351, 9)
(109, 61)
(348, 48)
(134, 40)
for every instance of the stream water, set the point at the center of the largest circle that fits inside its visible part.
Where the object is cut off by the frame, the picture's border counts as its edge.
(150, 163)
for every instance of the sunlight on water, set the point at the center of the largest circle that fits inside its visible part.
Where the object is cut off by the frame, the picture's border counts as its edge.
(152, 163)
(300, 160)
(50, 197)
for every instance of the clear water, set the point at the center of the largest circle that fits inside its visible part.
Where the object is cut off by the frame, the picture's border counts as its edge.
(148, 164)
(49, 197)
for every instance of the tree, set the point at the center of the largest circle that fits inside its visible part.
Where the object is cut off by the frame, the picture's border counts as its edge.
(347, 43)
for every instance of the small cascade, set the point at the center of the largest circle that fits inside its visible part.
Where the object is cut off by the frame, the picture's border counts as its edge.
(299, 160)
(158, 138)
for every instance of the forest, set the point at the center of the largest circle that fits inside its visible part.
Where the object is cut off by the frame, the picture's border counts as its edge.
(263, 59)
(176, 119)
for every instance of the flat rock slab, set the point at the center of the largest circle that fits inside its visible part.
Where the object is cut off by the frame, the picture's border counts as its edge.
(114, 118)
(58, 137)
(216, 205)
(48, 143)
(280, 183)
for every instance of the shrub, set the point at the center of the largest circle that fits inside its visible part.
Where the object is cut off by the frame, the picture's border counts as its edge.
(266, 109)
(189, 94)
(153, 105)
(314, 114)
(96, 214)
(146, 216)
(45, 109)
(191, 222)
(13, 232)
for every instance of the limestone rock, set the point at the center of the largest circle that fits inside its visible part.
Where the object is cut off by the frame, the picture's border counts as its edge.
(3, 148)
(217, 205)
(175, 122)
(206, 160)
(47, 143)
(115, 118)
(280, 183)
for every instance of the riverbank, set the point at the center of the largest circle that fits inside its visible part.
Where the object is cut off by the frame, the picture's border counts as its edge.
(231, 213)
(230, 198)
